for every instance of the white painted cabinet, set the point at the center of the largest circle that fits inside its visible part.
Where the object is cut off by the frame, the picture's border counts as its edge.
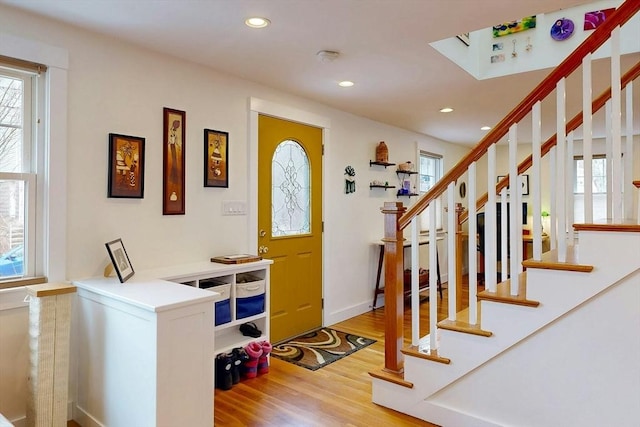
(144, 354)
(145, 348)
(245, 279)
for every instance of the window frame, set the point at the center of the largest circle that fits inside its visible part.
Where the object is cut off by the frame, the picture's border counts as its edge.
(28, 168)
(600, 199)
(424, 216)
(50, 109)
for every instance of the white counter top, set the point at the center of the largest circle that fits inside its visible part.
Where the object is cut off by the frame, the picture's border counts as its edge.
(152, 290)
(202, 268)
(151, 295)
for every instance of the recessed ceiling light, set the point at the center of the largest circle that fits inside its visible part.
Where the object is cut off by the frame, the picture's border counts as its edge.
(485, 128)
(257, 22)
(446, 110)
(346, 83)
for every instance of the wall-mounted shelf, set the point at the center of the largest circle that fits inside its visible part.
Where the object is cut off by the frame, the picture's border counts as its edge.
(385, 164)
(381, 186)
(401, 172)
(407, 195)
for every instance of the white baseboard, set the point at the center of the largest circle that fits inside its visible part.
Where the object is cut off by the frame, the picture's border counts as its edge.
(358, 309)
(347, 313)
(18, 422)
(83, 418)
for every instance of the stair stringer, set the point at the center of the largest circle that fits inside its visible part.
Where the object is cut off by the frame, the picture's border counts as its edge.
(558, 291)
(582, 369)
(592, 355)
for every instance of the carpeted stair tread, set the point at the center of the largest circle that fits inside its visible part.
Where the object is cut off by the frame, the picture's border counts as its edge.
(503, 293)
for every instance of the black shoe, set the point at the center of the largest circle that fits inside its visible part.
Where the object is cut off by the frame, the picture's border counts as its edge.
(239, 356)
(224, 367)
(250, 330)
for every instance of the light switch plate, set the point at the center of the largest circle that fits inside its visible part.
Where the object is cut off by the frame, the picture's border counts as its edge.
(234, 207)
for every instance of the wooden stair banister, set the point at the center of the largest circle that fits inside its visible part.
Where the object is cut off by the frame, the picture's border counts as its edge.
(573, 124)
(397, 217)
(393, 287)
(622, 14)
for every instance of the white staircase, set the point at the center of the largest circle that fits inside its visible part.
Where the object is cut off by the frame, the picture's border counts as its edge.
(574, 360)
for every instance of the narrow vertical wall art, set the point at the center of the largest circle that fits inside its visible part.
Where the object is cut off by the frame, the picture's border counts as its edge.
(216, 158)
(173, 192)
(350, 180)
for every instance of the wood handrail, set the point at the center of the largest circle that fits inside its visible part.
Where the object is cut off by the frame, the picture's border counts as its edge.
(396, 219)
(573, 124)
(622, 14)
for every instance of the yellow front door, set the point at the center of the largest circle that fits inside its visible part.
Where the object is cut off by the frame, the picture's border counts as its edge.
(290, 223)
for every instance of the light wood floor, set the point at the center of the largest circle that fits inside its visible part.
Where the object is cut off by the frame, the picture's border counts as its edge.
(336, 395)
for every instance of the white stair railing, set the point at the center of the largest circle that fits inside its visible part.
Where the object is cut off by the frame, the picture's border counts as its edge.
(559, 192)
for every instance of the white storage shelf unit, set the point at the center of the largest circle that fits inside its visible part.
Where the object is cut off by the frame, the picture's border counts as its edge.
(144, 352)
(247, 283)
(145, 348)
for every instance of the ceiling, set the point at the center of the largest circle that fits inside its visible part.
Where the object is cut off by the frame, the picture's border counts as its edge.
(383, 44)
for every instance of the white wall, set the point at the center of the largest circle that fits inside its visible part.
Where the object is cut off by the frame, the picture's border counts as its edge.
(119, 88)
(534, 383)
(14, 352)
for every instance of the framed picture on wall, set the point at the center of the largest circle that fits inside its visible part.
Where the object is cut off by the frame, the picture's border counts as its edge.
(216, 158)
(126, 166)
(524, 183)
(173, 171)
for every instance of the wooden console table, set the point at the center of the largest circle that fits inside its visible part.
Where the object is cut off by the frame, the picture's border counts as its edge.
(422, 240)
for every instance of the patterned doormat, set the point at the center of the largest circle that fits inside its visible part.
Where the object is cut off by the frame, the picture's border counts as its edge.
(319, 348)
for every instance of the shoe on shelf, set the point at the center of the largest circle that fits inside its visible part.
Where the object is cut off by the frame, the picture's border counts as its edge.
(250, 330)
(223, 366)
(263, 360)
(239, 357)
(250, 367)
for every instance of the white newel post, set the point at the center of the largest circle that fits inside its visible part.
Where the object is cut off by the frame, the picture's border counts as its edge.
(49, 329)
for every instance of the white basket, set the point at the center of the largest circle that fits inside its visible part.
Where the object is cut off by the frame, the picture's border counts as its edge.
(223, 290)
(250, 289)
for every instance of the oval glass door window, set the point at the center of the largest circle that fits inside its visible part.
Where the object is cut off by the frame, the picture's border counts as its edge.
(290, 190)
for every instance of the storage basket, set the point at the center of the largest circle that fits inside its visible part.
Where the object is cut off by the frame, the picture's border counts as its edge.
(223, 305)
(250, 298)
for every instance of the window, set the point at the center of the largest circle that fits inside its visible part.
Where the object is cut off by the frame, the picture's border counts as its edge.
(291, 190)
(430, 172)
(18, 179)
(598, 187)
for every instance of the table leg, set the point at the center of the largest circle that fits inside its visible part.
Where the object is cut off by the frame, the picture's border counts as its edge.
(375, 292)
(438, 272)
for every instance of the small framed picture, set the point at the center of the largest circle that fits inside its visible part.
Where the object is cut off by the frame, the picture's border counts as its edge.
(216, 158)
(126, 166)
(524, 183)
(120, 260)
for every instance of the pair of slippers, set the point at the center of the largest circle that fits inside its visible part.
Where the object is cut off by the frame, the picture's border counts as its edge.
(250, 330)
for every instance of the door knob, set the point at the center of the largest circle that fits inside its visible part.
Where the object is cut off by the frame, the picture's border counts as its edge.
(263, 249)
(263, 233)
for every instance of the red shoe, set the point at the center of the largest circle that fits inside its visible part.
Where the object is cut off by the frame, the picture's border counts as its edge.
(263, 361)
(250, 367)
